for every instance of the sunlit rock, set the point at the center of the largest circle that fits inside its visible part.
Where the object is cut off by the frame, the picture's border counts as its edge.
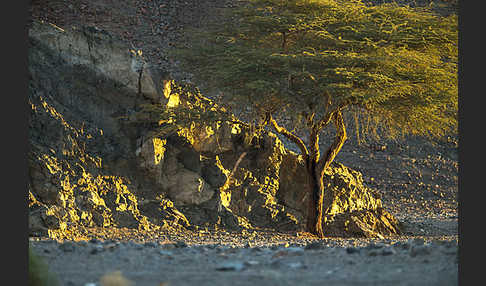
(95, 161)
(353, 209)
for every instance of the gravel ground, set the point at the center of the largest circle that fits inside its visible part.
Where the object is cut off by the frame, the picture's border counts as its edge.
(416, 178)
(257, 258)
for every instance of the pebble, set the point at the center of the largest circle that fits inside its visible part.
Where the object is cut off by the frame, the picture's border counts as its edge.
(418, 241)
(83, 243)
(94, 240)
(251, 263)
(296, 265)
(231, 266)
(67, 246)
(351, 250)
(314, 245)
(419, 250)
(167, 254)
(388, 251)
(151, 244)
(135, 245)
(180, 244)
(111, 246)
(375, 245)
(401, 245)
(373, 252)
(294, 249)
(97, 249)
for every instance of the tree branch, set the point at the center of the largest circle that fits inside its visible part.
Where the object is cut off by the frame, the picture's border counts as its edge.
(336, 146)
(323, 122)
(314, 144)
(326, 119)
(292, 137)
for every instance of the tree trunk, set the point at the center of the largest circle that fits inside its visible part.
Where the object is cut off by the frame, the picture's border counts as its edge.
(315, 169)
(314, 211)
(313, 197)
(315, 166)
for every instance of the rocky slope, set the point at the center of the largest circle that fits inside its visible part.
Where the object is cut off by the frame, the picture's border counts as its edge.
(98, 160)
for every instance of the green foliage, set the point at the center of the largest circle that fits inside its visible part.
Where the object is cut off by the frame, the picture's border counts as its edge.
(38, 271)
(394, 67)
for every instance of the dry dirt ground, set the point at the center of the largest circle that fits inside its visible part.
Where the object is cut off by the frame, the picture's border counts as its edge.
(254, 258)
(417, 179)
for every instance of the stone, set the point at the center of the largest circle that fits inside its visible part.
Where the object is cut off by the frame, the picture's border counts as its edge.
(186, 187)
(295, 250)
(213, 174)
(152, 154)
(101, 52)
(151, 244)
(115, 278)
(83, 81)
(111, 246)
(352, 250)
(420, 250)
(314, 246)
(180, 244)
(402, 245)
(296, 265)
(97, 248)
(94, 240)
(190, 159)
(251, 263)
(37, 225)
(231, 266)
(417, 241)
(67, 246)
(375, 245)
(373, 252)
(388, 251)
(83, 243)
(165, 253)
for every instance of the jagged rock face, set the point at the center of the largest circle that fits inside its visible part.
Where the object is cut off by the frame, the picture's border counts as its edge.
(93, 160)
(91, 163)
(177, 171)
(82, 168)
(353, 209)
(95, 73)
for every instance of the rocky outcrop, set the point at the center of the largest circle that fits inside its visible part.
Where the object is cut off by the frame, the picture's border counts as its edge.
(354, 209)
(83, 86)
(96, 159)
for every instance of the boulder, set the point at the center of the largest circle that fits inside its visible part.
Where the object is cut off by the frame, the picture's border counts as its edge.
(354, 209)
(186, 187)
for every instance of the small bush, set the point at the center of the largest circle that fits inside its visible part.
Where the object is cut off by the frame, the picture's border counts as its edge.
(38, 271)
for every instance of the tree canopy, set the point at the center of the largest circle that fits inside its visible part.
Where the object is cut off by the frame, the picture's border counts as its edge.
(394, 67)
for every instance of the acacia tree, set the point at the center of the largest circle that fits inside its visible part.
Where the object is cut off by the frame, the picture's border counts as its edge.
(313, 61)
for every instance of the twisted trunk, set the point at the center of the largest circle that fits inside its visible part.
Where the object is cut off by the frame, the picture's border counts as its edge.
(317, 165)
(315, 169)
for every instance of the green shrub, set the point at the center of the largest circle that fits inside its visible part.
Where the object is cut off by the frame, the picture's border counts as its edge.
(38, 271)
